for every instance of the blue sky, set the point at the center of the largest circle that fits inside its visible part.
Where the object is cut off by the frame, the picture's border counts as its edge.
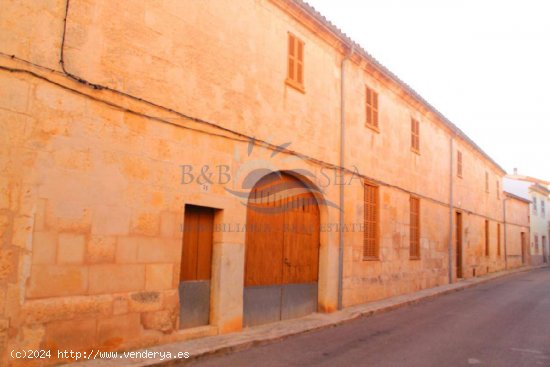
(484, 64)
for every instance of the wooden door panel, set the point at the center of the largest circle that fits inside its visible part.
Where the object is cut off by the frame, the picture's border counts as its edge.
(196, 258)
(189, 247)
(204, 244)
(282, 243)
(301, 241)
(264, 235)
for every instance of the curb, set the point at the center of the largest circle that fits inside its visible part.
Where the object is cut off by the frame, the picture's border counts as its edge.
(284, 329)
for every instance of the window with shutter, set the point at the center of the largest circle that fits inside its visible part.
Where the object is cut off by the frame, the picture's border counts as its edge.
(414, 228)
(459, 164)
(498, 239)
(371, 249)
(486, 181)
(372, 108)
(415, 136)
(295, 75)
(486, 238)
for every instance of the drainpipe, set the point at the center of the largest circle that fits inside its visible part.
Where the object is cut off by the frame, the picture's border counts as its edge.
(342, 151)
(451, 209)
(505, 238)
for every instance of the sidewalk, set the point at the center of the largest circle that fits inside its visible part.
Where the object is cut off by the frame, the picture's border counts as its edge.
(283, 329)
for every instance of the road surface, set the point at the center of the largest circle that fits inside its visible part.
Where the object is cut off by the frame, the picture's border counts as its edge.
(505, 322)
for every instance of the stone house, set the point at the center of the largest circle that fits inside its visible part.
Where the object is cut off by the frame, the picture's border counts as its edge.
(517, 226)
(169, 173)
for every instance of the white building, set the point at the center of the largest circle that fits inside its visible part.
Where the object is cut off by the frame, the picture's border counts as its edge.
(538, 193)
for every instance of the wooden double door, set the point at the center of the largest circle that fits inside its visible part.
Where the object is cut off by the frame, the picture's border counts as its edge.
(282, 250)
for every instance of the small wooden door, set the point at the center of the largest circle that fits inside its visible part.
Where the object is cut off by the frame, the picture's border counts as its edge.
(196, 255)
(282, 250)
(459, 273)
(196, 266)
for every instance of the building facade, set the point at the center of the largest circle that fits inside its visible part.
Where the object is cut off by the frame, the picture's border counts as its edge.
(517, 231)
(170, 173)
(538, 194)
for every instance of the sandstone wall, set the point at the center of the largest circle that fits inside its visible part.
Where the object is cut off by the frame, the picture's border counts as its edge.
(92, 199)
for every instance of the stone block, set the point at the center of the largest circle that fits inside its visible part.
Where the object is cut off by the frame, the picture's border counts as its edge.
(164, 320)
(145, 301)
(126, 250)
(8, 264)
(30, 337)
(23, 231)
(169, 226)
(40, 215)
(146, 224)
(114, 332)
(111, 278)
(57, 280)
(111, 220)
(71, 248)
(159, 251)
(101, 249)
(66, 308)
(44, 248)
(120, 305)
(77, 334)
(158, 276)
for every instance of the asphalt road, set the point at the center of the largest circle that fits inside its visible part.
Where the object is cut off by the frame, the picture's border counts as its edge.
(505, 322)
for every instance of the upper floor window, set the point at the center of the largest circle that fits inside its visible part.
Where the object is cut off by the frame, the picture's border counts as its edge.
(498, 190)
(415, 136)
(534, 205)
(542, 208)
(459, 163)
(372, 108)
(486, 181)
(295, 77)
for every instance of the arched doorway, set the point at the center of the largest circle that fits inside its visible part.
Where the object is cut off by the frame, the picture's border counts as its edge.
(282, 250)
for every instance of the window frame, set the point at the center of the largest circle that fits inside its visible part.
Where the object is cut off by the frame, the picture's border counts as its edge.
(372, 116)
(414, 230)
(415, 135)
(487, 242)
(295, 61)
(459, 164)
(373, 225)
(499, 251)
